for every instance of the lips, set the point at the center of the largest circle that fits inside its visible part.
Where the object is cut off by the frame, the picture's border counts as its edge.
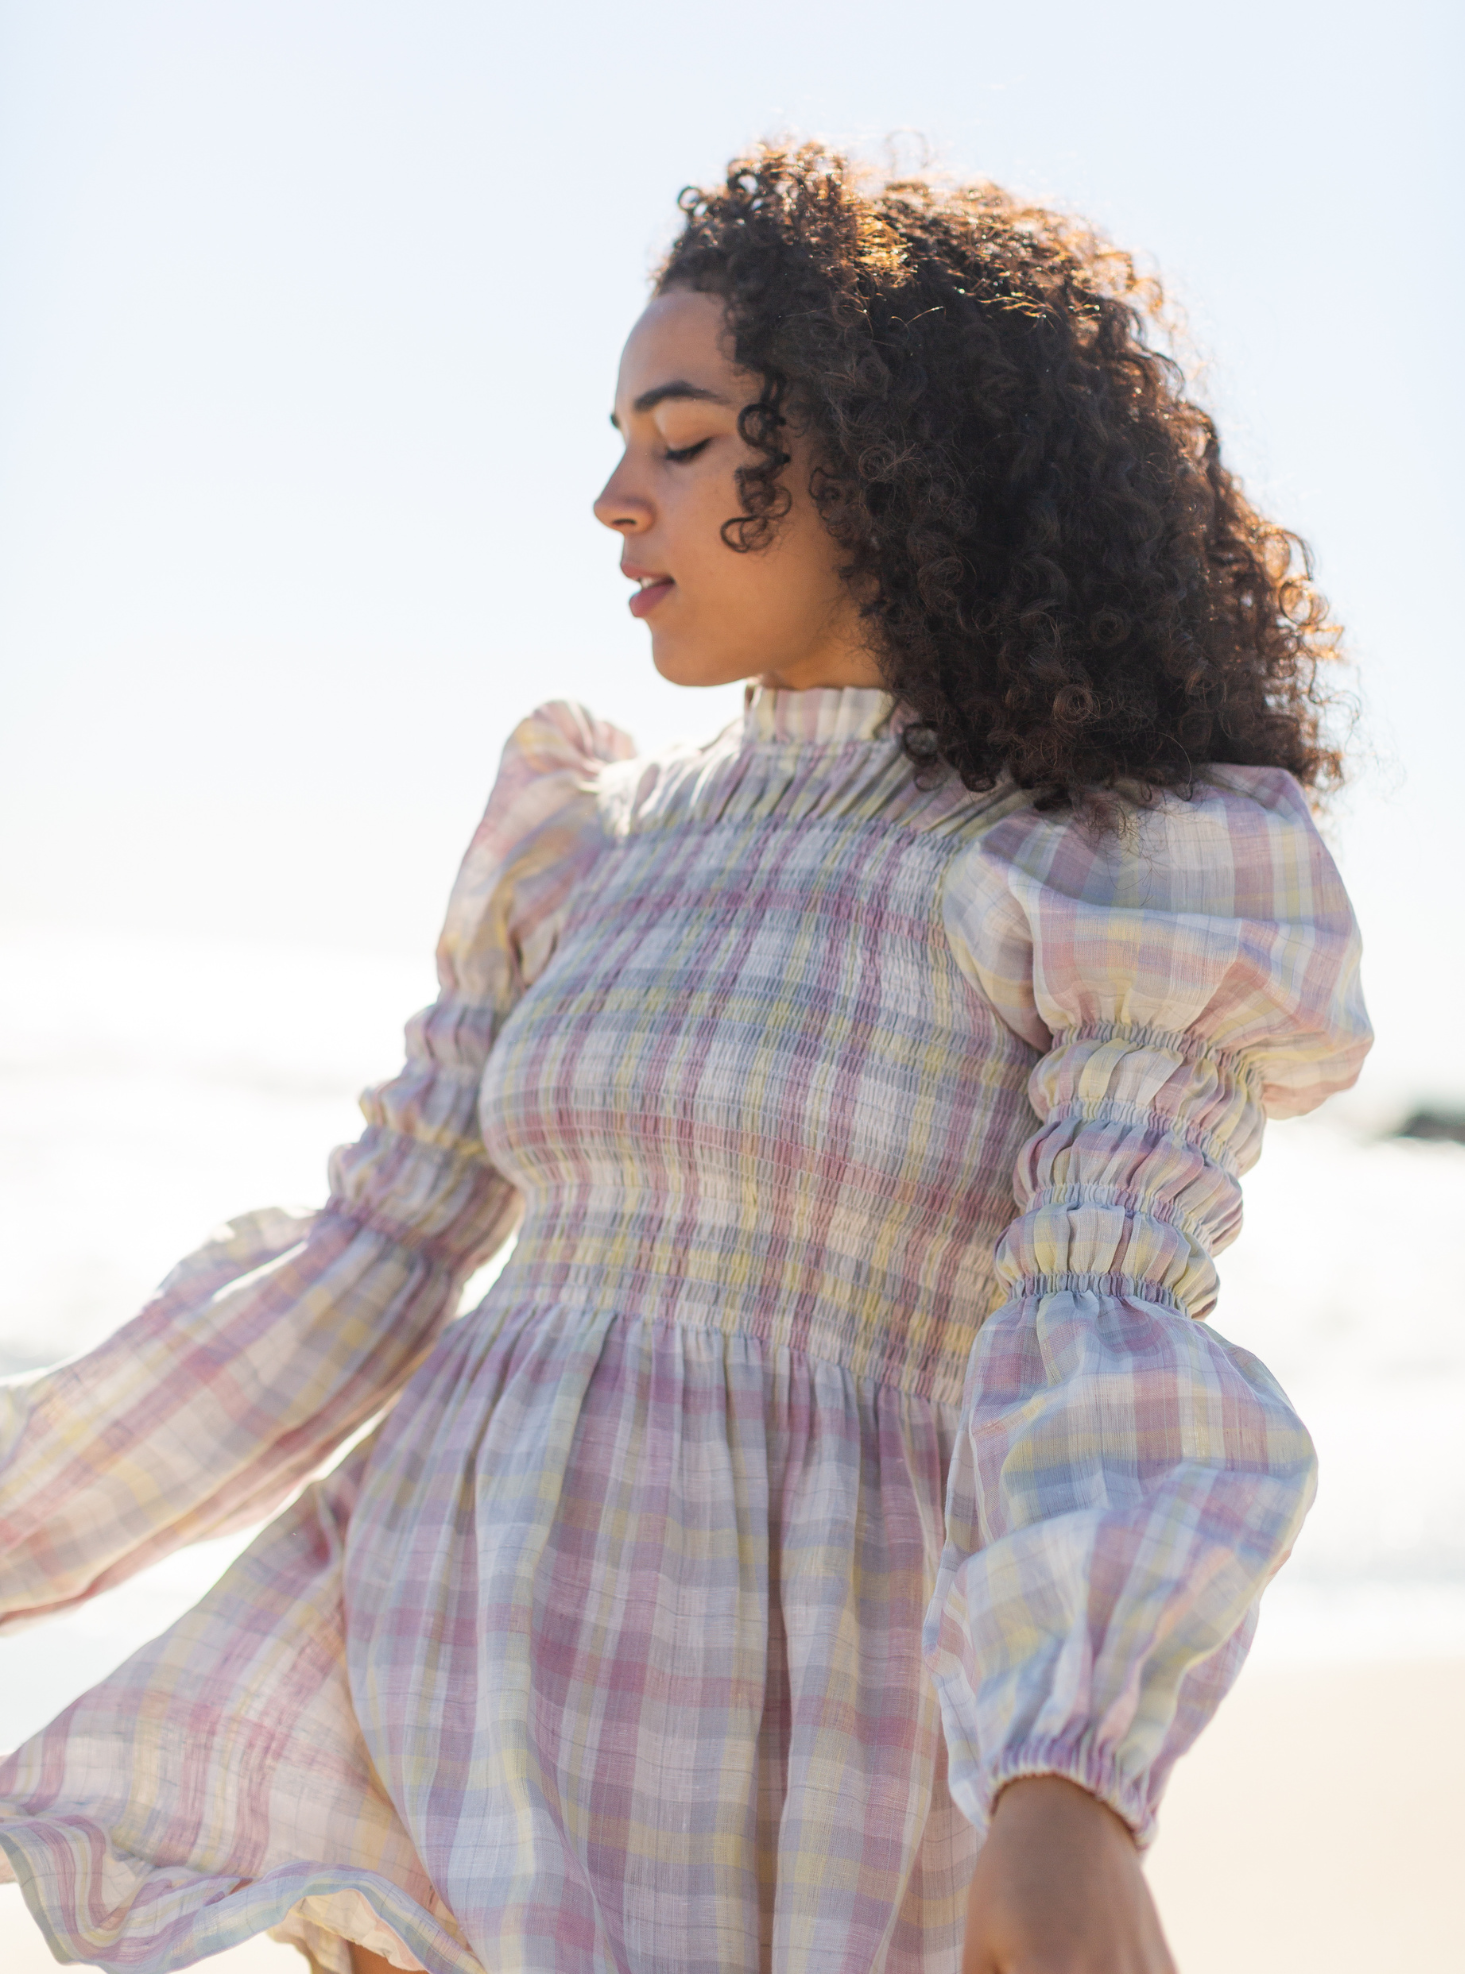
(655, 584)
(650, 594)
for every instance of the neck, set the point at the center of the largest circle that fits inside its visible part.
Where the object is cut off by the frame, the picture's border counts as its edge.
(823, 669)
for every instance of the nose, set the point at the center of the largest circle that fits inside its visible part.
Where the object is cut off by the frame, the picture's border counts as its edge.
(620, 507)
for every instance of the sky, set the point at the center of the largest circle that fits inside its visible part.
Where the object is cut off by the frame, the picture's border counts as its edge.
(309, 319)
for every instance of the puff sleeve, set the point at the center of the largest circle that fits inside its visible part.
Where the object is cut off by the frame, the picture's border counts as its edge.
(271, 1344)
(1125, 1482)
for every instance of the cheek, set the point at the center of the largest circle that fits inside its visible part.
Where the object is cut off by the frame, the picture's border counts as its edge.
(708, 503)
(692, 516)
(780, 585)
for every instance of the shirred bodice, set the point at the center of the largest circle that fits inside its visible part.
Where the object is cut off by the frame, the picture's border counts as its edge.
(751, 1088)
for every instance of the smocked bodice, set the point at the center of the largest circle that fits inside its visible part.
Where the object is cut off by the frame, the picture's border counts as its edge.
(752, 1088)
(771, 1058)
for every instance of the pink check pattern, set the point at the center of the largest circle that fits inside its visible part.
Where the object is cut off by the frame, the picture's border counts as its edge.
(843, 1438)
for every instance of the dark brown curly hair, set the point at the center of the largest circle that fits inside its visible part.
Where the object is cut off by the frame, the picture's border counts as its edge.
(1067, 586)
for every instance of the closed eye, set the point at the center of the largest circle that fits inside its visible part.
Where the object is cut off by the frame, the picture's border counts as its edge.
(679, 455)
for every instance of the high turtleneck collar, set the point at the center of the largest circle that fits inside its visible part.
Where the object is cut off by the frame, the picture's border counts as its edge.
(822, 715)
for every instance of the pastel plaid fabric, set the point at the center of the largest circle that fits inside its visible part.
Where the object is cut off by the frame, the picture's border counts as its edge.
(872, 1144)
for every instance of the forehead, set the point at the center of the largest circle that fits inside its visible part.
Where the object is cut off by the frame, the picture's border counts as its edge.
(679, 335)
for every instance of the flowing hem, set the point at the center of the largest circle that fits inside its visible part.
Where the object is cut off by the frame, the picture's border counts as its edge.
(203, 1914)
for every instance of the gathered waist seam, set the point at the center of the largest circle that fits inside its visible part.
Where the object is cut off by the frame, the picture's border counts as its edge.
(930, 1369)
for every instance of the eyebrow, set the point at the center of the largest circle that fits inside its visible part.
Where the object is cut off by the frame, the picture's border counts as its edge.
(678, 388)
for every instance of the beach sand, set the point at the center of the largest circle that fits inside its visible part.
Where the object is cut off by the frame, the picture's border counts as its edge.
(1319, 1825)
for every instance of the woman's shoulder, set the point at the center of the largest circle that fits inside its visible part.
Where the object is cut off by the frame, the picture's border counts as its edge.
(538, 831)
(1238, 843)
(551, 766)
(1219, 913)
(561, 735)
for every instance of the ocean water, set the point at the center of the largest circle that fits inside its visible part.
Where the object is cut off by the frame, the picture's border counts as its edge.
(149, 1088)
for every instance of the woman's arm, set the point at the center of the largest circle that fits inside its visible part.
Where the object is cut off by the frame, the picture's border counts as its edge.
(1126, 1482)
(266, 1349)
(1058, 1889)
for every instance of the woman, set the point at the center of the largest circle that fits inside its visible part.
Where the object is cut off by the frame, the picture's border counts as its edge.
(873, 1084)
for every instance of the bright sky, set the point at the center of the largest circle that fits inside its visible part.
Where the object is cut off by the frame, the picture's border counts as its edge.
(309, 317)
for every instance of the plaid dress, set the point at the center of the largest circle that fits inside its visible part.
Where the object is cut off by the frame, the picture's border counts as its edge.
(843, 1438)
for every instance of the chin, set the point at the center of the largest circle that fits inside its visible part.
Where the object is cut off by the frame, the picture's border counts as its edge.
(683, 666)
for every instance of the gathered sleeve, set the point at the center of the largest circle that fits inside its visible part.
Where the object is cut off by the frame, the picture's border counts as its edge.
(1125, 1481)
(268, 1347)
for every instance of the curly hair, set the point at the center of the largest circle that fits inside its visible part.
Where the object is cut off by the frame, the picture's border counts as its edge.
(1067, 587)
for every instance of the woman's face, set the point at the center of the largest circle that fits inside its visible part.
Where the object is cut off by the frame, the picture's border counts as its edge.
(780, 612)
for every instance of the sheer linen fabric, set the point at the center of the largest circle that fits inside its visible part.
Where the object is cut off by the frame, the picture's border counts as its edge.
(868, 1146)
